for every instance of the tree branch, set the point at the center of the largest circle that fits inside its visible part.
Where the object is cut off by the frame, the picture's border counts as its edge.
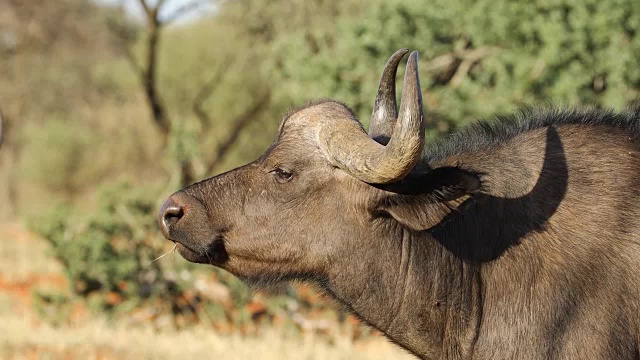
(458, 63)
(147, 10)
(240, 123)
(149, 81)
(148, 72)
(205, 92)
(183, 10)
(468, 60)
(125, 40)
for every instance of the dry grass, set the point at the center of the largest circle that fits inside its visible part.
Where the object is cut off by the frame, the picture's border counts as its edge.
(22, 338)
(22, 255)
(24, 266)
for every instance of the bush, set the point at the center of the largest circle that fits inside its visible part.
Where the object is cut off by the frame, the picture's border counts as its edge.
(478, 57)
(107, 255)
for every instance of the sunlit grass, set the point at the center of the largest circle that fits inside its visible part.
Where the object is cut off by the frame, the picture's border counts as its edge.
(23, 336)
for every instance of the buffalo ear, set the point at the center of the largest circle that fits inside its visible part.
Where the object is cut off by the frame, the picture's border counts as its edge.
(423, 200)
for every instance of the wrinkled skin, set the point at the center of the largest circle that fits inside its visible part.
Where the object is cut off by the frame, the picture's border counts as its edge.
(270, 198)
(525, 246)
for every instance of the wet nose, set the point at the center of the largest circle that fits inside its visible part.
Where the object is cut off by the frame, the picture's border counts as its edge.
(183, 218)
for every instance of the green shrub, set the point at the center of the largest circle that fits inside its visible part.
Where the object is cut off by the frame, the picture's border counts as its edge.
(478, 57)
(106, 255)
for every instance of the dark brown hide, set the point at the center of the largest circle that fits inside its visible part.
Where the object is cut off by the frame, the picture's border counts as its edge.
(517, 239)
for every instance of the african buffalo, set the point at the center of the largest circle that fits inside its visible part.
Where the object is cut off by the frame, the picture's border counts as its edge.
(512, 239)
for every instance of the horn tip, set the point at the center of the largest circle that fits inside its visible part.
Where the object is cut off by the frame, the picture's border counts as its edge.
(397, 56)
(412, 62)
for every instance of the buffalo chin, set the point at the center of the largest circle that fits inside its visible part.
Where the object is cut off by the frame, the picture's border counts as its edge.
(213, 254)
(192, 256)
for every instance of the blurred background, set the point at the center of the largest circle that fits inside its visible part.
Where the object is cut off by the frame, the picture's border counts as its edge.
(112, 105)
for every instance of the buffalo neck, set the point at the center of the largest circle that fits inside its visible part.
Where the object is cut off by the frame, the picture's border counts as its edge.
(414, 290)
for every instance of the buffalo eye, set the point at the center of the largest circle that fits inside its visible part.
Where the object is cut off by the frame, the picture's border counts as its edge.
(281, 175)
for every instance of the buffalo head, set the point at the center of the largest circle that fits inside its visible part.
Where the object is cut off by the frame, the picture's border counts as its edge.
(322, 191)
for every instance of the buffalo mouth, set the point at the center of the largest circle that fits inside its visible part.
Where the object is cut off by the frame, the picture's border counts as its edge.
(213, 254)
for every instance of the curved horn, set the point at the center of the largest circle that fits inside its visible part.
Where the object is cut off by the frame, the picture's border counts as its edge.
(371, 162)
(385, 110)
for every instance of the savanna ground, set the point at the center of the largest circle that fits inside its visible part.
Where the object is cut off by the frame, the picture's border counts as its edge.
(25, 268)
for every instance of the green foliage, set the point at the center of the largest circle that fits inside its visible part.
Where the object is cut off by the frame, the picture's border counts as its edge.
(55, 307)
(504, 54)
(106, 255)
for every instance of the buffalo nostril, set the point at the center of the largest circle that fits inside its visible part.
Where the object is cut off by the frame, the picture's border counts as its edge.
(172, 214)
(181, 216)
